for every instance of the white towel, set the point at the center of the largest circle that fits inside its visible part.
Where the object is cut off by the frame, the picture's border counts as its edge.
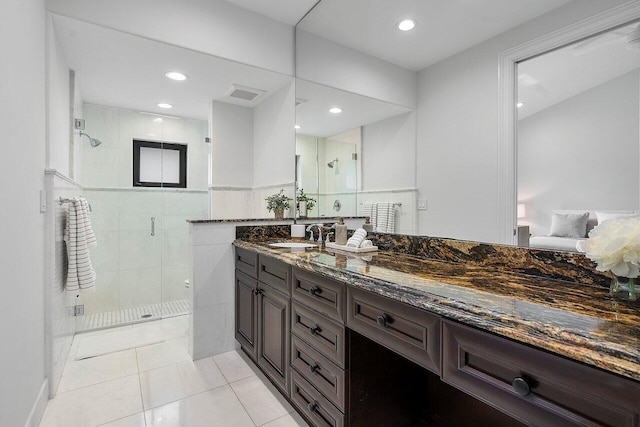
(386, 218)
(79, 238)
(366, 244)
(358, 236)
(367, 209)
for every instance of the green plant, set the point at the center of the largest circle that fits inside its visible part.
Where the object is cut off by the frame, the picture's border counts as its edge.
(301, 197)
(278, 201)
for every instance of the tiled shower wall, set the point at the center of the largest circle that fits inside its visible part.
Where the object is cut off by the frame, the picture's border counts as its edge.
(134, 268)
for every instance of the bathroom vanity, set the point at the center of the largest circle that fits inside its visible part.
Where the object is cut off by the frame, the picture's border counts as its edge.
(398, 339)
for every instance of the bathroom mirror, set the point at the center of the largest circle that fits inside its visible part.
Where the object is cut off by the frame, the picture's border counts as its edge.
(355, 145)
(578, 134)
(232, 123)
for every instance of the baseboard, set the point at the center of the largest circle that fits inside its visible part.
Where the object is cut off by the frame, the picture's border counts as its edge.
(37, 411)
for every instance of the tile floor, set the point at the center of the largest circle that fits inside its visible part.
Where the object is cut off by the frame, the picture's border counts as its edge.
(158, 385)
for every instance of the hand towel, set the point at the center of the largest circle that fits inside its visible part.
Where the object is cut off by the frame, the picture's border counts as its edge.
(358, 236)
(366, 244)
(386, 218)
(79, 237)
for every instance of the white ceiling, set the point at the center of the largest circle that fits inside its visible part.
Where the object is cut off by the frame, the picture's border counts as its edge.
(116, 69)
(287, 11)
(556, 76)
(315, 119)
(445, 27)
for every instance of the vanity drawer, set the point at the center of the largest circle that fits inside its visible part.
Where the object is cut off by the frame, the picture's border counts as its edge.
(319, 293)
(247, 262)
(313, 405)
(323, 374)
(409, 331)
(534, 386)
(274, 273)
(324, 335)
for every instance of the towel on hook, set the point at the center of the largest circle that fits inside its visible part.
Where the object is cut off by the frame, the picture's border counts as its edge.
(80, 238)
(370, 209)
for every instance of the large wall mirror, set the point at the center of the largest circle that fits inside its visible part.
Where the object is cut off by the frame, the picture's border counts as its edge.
(355, 129)
(234, 122)
(578, 121)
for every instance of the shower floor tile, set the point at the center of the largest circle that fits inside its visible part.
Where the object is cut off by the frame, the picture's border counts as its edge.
(130, 316)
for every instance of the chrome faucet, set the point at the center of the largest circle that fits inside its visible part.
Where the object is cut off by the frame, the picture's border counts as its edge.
(309, 228)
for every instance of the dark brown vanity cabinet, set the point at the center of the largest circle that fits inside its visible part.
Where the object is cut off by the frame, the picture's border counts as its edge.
(409, 331)
(534, 386)
(262, 313)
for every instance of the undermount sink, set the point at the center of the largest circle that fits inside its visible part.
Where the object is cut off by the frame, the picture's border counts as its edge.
(292, 245)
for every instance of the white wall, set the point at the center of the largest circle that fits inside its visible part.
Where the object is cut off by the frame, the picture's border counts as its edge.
(22, 125)
(58, 92)
(274, 138)
(209, 26)
(458, 129)
(231, 145)
(389, 145)
(323, 61)
(581, 153)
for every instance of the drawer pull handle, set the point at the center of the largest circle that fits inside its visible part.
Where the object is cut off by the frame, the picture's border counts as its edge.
(315, 290)
(521, 386)
(382, 320)
(257, 291)
(312, 407)
(313, 368)
(313, 330)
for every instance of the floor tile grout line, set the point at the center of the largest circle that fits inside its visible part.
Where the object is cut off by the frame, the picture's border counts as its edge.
(242, 404)
(144, 415)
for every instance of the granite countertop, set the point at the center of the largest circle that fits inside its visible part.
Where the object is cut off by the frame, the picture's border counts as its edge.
(318, 218)
(577, 321)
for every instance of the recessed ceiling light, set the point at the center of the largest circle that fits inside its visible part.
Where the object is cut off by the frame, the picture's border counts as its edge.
(297, 127)
(158, 120)
(175, 75)
(165, 105)
(520, 104)
(335, 110)
(406, 24)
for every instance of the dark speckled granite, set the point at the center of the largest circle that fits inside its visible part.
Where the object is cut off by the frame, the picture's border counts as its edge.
(564, 317)
(567, 266)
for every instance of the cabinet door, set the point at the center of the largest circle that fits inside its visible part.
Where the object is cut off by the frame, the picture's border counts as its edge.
(246, 313)
(273, 341)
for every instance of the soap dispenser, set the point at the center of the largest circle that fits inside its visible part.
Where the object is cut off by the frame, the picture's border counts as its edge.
(341, 232)
(368, 227)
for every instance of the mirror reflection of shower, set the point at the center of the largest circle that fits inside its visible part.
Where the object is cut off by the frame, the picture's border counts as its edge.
(333, 164)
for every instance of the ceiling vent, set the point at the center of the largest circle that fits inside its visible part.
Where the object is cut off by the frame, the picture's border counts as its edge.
(244, 93)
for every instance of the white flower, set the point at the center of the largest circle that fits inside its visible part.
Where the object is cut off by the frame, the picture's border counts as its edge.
(615, 245)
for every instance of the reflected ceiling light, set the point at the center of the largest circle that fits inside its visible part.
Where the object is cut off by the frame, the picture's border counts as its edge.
(297, 127)
(406, 24)
(165, 105)
(633, 40)
(335, 110)
(158, 120)
(176, 75)
(520, 104)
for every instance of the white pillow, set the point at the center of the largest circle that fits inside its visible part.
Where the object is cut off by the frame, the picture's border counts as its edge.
(569, 225)
(605, 216)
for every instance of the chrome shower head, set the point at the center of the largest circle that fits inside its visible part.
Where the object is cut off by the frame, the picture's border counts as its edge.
(92, 141)
(332, 163)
